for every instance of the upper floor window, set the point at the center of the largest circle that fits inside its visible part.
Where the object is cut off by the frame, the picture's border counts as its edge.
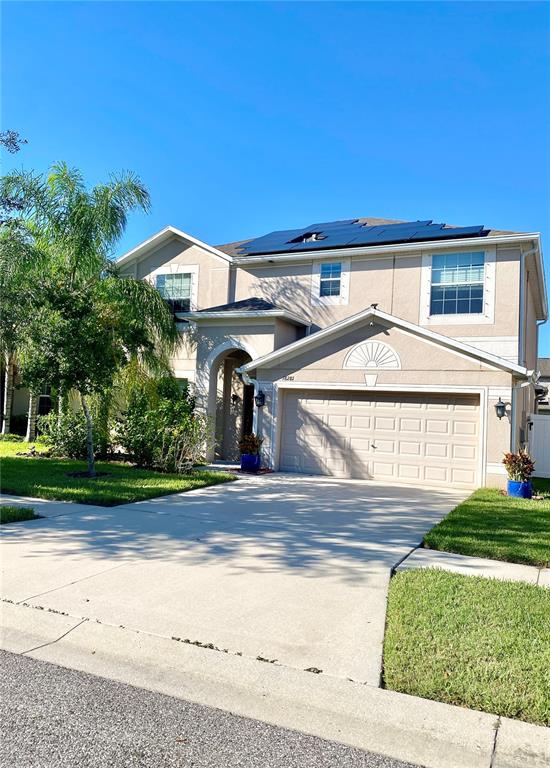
(176, 289)
(330, 279)
(457, 283)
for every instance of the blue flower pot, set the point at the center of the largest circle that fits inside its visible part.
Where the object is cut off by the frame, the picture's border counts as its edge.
(250, 462)
(520, 490)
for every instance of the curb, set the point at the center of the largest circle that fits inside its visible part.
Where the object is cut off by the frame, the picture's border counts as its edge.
(407, 728)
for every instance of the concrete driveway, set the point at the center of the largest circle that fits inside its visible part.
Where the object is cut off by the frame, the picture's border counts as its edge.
(292, 569)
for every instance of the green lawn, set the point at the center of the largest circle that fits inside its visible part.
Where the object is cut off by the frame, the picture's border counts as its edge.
(470, 641)
(10, 514)
(49, 479)
(489, 524)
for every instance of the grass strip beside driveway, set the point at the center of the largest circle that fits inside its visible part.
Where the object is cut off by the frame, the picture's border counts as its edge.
(470, 641)
(122, 484)
(490, 524)
(9, 514)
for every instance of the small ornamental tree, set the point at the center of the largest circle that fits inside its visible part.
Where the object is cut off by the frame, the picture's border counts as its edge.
(90, 321)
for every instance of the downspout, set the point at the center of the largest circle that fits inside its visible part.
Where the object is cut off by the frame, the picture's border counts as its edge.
(521, 341)
(522, 303)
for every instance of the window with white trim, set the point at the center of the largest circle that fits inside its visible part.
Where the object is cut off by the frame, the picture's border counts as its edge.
(176, 289)
(330, 279)
(457, 283)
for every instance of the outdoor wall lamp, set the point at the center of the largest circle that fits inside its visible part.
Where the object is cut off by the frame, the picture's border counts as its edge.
(259, 399)
(500, 408)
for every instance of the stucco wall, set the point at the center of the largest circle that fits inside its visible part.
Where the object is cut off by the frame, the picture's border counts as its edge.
(393, 282)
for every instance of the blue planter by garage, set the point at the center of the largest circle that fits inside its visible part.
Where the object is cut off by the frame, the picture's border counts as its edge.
(520, 490)
(250, 462)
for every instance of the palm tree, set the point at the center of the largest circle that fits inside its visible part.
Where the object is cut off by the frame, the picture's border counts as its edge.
(87, 308)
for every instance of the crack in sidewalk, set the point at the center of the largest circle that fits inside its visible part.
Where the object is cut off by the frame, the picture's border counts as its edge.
(494, 750)
(52, 642)
(71, 583)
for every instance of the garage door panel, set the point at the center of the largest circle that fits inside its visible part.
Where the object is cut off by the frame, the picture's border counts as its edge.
(410, 437)
(410, 425)
(436, 450)
(408, 472)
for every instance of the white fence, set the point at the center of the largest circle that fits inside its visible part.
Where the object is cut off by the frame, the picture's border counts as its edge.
(539, 444)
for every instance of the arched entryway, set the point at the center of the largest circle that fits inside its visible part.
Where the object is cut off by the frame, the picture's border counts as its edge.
(230, 403)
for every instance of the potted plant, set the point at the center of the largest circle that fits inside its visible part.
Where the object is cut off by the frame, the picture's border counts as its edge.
(250, 446)
(519, 466)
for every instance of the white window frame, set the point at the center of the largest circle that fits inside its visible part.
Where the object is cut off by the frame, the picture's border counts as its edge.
(181, 269)
(485, 317)
(343, 298)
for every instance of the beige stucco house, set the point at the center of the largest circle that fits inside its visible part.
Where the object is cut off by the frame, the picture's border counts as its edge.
(380, 348)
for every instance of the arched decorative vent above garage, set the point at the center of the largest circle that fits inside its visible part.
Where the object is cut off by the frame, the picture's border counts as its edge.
(374, 355)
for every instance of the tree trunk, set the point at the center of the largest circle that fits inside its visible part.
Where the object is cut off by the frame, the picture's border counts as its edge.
(102, 422)
(31, 418)
(59, 407)
(62, 404)
(8, 396)
(89, 437)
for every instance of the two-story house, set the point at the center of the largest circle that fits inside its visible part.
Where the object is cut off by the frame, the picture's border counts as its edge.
(367, 348)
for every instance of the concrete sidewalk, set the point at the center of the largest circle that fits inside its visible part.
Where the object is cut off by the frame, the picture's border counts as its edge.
(406, 728)
(475, 566)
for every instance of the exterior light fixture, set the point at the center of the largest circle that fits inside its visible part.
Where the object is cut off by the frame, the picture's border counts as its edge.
(500, 408)
(259, 399)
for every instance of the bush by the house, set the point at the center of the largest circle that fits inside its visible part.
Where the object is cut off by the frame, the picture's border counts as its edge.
(65, 435)
(161, 429)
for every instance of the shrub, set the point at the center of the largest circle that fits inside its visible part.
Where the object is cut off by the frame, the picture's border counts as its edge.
(65, 436)
(520, 466)
(161, 430)
(11, 437)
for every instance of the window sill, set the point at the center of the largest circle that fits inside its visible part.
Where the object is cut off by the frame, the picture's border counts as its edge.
(464, 319)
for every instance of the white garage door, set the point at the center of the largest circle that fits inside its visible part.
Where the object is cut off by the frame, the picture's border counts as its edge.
(408, 438)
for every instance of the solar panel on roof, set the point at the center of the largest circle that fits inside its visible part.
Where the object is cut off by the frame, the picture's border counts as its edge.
(338, 234)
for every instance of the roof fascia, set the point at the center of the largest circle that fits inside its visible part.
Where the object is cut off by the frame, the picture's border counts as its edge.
(316, 339)
(148, 245)
(237, 315)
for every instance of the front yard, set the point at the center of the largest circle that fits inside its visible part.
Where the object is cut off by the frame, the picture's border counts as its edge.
(470, 641)
(122, 483)
(492, 525)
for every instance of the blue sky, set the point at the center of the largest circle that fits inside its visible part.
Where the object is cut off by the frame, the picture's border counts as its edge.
(242, 118)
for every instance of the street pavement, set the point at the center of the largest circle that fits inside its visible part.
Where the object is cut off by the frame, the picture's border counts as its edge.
(54, 717)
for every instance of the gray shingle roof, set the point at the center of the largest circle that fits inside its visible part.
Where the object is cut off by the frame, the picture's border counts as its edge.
(253, 304)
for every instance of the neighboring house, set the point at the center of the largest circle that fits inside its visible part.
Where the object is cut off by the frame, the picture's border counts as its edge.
(380, 348)
(544, 383)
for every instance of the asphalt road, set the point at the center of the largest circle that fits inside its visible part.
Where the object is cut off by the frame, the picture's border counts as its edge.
(53, 717)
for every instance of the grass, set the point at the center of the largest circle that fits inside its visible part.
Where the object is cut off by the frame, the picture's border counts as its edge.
(470, 641)
(48, 479)
(10, 514)
(490, 524)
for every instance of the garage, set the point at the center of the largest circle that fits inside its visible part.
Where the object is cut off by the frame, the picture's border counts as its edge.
(405, 437)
